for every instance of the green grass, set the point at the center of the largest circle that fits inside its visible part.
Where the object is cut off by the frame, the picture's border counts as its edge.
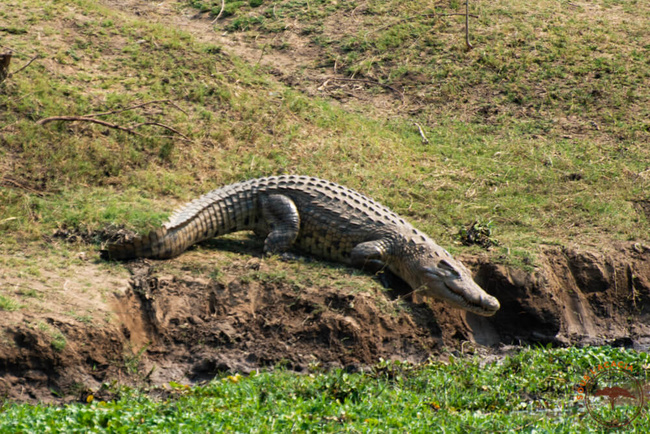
(508, 123)
(542, 128)
(533, 64)
(9, 304)
(533, 390)
(58, 340)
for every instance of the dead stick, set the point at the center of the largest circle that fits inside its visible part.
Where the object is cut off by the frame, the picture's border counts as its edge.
(86, 119)
(133, 107)
(167, 127)
(469, 45)
(8, 220)
(461, 15)
(173, 104)
(129, 130)
(424, 137)
(16, 184)
(223, 6)
(23, 67)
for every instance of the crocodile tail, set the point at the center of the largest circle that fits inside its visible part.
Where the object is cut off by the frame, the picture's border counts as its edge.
(154, 245)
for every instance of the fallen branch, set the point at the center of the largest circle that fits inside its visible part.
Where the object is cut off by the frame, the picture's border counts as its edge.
(92, 118)
(167, 127)
(23, 67)
(469, 45)
(18, 185)
(223, 6)
(86, 119)
(129, 129)
(133, 107)
(173, 104)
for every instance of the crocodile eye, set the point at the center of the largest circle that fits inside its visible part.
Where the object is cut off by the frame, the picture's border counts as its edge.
(448, 267)
(442, 271)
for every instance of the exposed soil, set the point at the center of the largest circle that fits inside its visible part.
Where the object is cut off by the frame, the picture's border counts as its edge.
(154, 327)
(164, 328)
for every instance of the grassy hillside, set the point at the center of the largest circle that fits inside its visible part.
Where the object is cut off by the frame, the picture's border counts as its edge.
(542, 128)
(540, 132)
(235, 122)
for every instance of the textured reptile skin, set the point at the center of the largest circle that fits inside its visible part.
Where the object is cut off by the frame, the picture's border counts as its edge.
(323, 219)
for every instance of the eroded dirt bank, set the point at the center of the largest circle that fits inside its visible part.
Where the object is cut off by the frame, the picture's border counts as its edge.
(166, 328)
(574, 296)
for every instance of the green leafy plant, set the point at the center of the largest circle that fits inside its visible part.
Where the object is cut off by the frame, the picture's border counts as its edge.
(532, 387)
(478, 233)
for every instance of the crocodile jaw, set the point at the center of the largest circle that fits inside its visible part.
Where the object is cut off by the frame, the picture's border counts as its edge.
(467, 295)
(448, 280)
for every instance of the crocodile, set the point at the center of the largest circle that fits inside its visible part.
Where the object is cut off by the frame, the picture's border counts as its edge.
(323, 219)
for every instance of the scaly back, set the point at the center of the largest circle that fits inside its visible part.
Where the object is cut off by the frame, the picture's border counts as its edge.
(333, 219)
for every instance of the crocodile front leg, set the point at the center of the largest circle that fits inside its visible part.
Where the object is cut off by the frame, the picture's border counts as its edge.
(373, 256)
(281, 216)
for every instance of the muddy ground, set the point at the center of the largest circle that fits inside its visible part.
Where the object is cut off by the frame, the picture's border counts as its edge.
(167, 328)
(152, 326)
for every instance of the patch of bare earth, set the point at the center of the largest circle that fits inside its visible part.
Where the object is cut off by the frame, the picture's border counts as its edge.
(291, 56)
(156, 327)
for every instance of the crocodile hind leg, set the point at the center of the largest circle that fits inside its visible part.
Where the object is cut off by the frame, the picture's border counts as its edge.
(283, 221)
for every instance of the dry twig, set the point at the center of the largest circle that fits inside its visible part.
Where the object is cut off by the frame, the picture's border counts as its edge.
(173, 104)
(18, 185)
(24, 66)
(86, 119)
(8, 219)
(469, 45)
(130, 129)
(424, 137)
(133, 107)
(92, 117)
(167, 127)
(223, 5)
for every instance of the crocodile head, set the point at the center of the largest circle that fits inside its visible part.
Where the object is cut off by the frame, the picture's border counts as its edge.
(442, 277)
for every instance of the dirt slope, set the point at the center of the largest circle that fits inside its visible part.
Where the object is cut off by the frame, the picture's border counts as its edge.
(163, 327)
